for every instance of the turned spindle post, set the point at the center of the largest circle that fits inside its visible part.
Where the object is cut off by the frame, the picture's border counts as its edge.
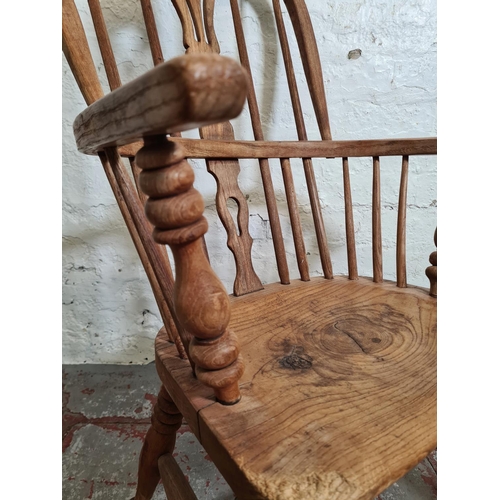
(202, 305)
(431, 271)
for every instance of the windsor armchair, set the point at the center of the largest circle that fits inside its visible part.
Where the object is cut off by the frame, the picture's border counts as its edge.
(318, 388)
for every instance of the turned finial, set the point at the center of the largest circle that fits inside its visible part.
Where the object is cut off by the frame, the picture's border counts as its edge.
(202, 305)
(431, 271)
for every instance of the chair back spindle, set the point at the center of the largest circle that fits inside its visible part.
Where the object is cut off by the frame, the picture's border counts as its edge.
(293, 210)
(265, 171)
(378, 275)
(349, 223)
(107, 54)
(302, 136)
(154, 40)
(309, 54)
(401, 228)
(77, 52)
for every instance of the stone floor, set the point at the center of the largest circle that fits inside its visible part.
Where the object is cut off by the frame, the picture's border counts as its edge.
(106, 411)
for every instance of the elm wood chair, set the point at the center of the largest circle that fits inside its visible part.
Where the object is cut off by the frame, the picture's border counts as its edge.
(318, 388)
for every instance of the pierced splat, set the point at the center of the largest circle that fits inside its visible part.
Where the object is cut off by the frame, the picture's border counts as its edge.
(199, 36)
(239, 240)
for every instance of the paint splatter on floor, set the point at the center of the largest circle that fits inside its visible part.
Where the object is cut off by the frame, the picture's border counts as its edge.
(106, 414)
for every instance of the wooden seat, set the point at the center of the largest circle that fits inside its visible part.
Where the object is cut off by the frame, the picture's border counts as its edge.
(339, 386)
(318, 388)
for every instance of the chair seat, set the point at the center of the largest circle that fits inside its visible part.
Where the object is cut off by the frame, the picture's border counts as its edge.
(338, 395)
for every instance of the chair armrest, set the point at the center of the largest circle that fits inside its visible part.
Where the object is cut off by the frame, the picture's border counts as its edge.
(187, 92)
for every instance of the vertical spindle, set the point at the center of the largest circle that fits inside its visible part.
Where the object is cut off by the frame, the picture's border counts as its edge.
(154, 40)
(349, 223)
(108, 57)
(312, 189)
(293, 210)
(378, 275)
(401, 230)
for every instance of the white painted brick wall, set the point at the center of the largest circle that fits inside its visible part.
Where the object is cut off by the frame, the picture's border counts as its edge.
(109, 314)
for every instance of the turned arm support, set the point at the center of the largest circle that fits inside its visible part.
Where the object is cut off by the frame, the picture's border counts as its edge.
(187, 92)
(184, 93)
(202, 305)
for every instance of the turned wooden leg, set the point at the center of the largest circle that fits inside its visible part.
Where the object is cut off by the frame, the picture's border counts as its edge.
(160, 439)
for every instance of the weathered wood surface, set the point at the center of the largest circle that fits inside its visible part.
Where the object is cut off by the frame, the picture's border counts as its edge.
(339, 393)
(184, 93)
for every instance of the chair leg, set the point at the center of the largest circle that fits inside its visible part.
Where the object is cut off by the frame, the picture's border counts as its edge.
(160, 439)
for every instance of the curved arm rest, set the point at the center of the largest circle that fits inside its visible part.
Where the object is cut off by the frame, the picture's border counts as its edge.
(187, 92)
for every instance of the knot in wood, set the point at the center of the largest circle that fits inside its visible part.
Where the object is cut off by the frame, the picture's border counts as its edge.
(296, 361)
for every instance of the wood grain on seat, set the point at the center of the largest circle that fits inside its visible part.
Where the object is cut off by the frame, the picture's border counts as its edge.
(338, 395)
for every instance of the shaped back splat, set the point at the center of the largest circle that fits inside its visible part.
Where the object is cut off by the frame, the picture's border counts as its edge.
(199, 36)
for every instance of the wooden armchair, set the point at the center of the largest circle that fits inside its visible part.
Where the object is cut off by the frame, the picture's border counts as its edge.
(318, 388)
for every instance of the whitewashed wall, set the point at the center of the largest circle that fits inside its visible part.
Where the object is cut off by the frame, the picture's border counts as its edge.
(109, 314)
